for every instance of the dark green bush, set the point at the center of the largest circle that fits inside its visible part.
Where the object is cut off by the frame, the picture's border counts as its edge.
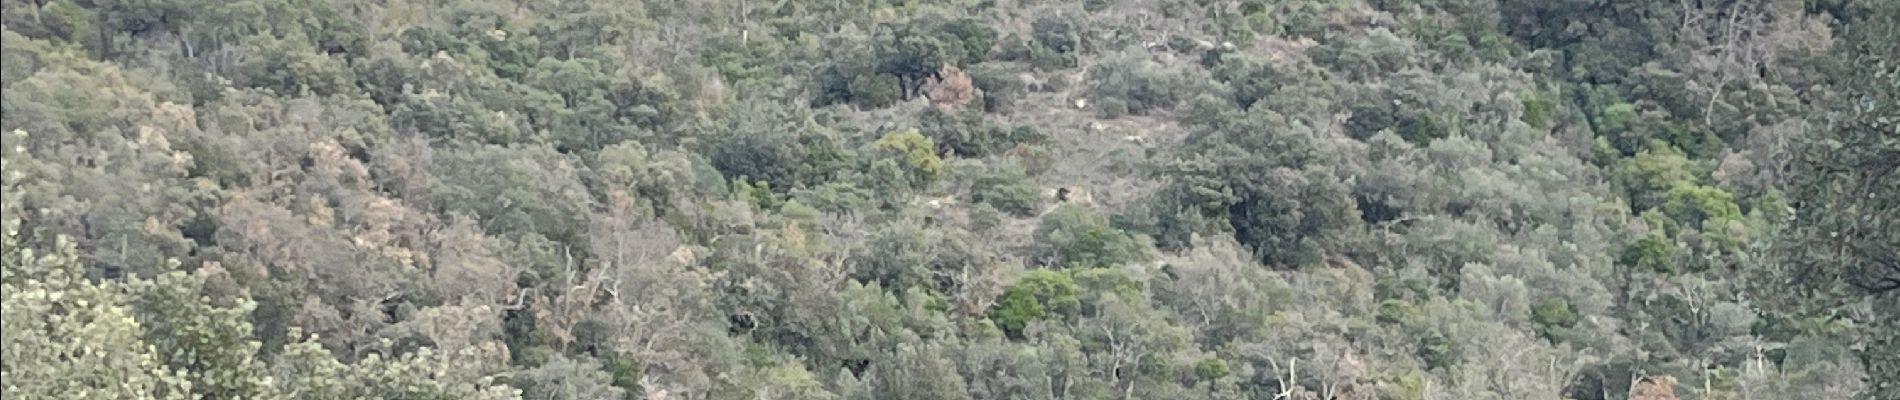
(1552, 315)
(1130, 83)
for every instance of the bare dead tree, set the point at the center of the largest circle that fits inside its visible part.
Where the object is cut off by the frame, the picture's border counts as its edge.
(1735, 42)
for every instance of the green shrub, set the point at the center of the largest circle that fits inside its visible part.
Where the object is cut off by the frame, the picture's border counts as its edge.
(838, 197)
(1537, 110)
(1647, 178)
(1078, 236)
(1394, 312)
(759, 193)
(1048, 59)
(1035, 159)
(984, 217)
(1652, 252)
(832, 86)
(1422, 129)
(1552, 315)
(998, 83)
(1014, 48)
(1370, 117)
(875, 90)
(1697, 205)
(1056, 33)
(1438, 351)
(906, 156)
(968, 134)
(974, 36)
(1015, 309)
(1210, 369)
(1006, 191)
(1130, 83)
(1099, 282)
(769, 157)
(1038, 295)
(1112, 108)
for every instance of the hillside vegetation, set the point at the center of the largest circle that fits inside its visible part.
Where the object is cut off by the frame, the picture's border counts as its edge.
(962, 199)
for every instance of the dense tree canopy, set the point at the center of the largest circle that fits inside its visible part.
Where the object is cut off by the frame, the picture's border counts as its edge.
(847, 199)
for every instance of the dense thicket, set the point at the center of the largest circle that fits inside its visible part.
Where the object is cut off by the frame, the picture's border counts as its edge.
(996, 199)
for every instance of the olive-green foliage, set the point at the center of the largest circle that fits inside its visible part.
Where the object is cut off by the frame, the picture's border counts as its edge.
(918, 48)
(1293, 238)
(1077, 236)
(1430, 345)
(1247, 173)
(208, 344)
(564, 378)
(1552, 315)
(1000, 83)
(1056, 33)
(968, 133)
(1843, 177)
(180, 344)
(910, 256)
(602, 106)
(768, 157)
(1537, 110)
(1099, 284)
(913, 155)
(838, 197)
(1394, 199)
(1039, 294)
(757, 193)
(308, 370)
(1209, 369)
(975, 36)
(1650, 174)
(1112, 107)
(1053, 43)
(1701, 206)
(1394, 312)
(76, 133)
(902, 58)
(668, 181)
(770, 148)
(1437, 351)
(1652, 252)
(1129, 82)
(737, 60)
(515, 189)
(67, 337)
(290, 66)
(1008, 191)
(875, 90)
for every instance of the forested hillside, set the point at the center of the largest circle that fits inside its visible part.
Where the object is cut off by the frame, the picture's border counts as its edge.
(963, 199)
